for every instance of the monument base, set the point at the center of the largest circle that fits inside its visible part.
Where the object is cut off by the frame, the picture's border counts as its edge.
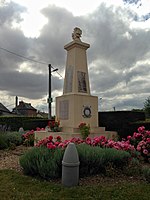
(39, 135)
(72, 109)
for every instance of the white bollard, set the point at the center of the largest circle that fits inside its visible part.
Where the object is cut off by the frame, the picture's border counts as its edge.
(70, 166)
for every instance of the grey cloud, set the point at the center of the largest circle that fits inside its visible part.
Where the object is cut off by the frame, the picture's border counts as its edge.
(55, 34)
(113, 58)
(109, 29)
(10, 12)
(27, 85)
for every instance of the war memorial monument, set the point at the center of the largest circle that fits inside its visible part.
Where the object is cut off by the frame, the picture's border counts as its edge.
(76, 104)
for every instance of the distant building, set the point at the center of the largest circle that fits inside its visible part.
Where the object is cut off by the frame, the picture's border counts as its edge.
(4, 111)
(42, 114)
(25, 109)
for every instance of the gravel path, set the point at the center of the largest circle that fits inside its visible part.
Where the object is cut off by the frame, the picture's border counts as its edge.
(9, 159)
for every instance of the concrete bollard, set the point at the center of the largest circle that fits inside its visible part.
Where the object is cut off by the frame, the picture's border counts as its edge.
(70, 166)
(21, 130)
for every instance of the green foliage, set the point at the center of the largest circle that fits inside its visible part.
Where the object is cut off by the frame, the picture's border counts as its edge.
(96, 160)
(3, 142)
(147, 106)
(146, 173)
(14, 137)
(10, 139)
(133, 169)
(28, 123)
(33, 123)
(42, 162)
(47, 163)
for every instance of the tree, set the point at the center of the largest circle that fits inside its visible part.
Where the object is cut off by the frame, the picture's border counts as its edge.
(147, 106)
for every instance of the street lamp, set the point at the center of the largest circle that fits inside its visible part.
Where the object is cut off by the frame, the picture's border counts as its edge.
(50, 97)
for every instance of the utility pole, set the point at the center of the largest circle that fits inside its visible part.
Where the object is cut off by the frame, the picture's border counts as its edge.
(50, 96)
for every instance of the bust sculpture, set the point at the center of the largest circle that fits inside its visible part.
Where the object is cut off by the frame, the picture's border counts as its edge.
(77, 34)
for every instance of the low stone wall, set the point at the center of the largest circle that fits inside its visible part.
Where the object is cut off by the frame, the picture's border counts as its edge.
(39, 135)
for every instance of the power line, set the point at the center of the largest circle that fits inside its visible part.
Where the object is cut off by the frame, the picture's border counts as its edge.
(43, 63)
(21, 56)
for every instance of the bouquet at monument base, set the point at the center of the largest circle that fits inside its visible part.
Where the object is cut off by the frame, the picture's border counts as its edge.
(84, 129)
(54, 126)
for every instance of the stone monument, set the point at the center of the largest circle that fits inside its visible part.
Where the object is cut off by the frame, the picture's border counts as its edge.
(77, 105)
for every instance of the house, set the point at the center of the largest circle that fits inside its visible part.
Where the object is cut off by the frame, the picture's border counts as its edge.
(25, 109)
(4, 111)
(42, 114)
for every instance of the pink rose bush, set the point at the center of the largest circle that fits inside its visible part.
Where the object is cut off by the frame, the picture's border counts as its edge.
(100, 141)
(52, 143)
(28, 138)
(141, 142)
(138, 142)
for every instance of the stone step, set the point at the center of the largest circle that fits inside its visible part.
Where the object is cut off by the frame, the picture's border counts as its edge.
(39, 135)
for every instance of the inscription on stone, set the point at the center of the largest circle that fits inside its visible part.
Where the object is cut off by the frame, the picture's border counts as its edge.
(82, 82)
(64, 109)
(69, 79)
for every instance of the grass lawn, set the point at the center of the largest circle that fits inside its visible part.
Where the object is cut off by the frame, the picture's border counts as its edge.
(14, 185)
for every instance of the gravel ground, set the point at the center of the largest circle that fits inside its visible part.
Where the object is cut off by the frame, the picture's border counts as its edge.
(9, 159)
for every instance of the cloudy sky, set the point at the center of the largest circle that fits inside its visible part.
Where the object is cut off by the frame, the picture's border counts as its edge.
(118, 32)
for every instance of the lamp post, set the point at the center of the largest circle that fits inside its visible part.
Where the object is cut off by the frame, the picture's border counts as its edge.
(50, 96)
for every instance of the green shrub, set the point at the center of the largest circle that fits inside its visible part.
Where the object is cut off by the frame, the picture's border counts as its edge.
(28, 123)
(146, 173)
(134, 168)
(14, 137)
(96, 160)
(3, 142)
(47, 163)
(42, 162)
(10, 139)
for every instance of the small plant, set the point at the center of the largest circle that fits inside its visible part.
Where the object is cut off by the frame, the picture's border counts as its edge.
(85, 130)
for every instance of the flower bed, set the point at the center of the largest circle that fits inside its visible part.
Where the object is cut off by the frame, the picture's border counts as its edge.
(138, 144)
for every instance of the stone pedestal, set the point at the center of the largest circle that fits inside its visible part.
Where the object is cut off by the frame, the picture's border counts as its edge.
(72, 109)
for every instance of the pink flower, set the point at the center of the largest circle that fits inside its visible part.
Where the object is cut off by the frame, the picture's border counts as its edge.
(145, 151)
(88, 140)
(141, 129)
(129, 137)
(51, 146)
(50, 137)
(138, 148)
(58, 138)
